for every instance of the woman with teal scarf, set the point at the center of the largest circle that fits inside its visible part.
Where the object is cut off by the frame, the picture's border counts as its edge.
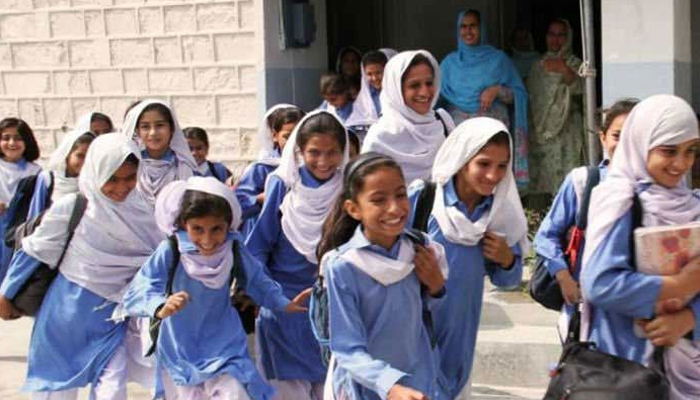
(480, 80)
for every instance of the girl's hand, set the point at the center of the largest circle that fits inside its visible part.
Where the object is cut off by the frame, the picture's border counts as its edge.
(260, 199)
(665, 330)
(173, 304)
(428, 270)
(298, 303)
(682, 286)
(495, 248)
(570, 290)
(7, 311)
(398, 392)
(488, 96)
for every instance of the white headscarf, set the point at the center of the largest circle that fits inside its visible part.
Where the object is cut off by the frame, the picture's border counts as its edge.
(212, 270)
(389, 52)
(409, 138)
(304, 208)
(268, 155)
(84, 123)
(113, 238)
(506, 215)
(155, 174)
(363, 110)
(63, 184)
(658, 120)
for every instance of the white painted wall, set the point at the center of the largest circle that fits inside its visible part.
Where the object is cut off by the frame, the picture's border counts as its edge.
(62, 58)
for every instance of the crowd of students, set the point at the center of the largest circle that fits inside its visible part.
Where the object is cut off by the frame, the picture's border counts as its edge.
(403, 220)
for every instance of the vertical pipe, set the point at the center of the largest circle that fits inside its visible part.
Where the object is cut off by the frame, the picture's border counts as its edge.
(590, 76)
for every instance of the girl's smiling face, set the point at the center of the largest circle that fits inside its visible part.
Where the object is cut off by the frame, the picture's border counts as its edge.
(668, 164)
(208, 233)
(155, 132)
(418, 88)
(610, 138)
(322, 155)
(11, 145)
(121, 183)
(382, 206)
(76, 159)
(199, 150)
(281, 136)
(480, 175)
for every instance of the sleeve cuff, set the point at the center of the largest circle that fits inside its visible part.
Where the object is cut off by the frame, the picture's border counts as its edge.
(555, 265)
(153, 304)
(280, 302)
(387, 380)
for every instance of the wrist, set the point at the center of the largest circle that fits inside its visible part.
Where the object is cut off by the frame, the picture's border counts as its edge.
(508, 261)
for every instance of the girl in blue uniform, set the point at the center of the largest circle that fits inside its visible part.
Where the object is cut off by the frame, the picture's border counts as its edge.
(299, 195)
(657, 148)
(379, 282)
(552, 234)
(198, 140)
(166, 156)
(195, 349)
(277, 126)
(478, 218)
(75, 342)
(61, 177)
(18, 151)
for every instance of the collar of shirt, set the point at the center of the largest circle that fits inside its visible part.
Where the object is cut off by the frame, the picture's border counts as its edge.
(168, 156)
(360, 241)
(451, 199)
(344, 112)
(308, 179)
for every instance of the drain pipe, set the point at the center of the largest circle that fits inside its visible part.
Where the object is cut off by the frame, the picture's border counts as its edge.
(588, 72)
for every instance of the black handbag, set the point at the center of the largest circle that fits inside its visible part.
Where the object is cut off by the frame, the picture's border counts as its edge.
(544, 288)
(586, 373)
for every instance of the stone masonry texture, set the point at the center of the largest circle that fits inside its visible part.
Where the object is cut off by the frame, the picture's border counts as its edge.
(62, 58)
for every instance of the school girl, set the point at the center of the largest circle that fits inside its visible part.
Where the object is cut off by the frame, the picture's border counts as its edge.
(95, 122)
(478, 218)
(657, 147)
(552, 234)
(299, 195)
(18, 151)
(366, 108)
(74, 343)
(275, 130)
(202, 347)
(409, 131)
(61, 176)
(198, 141)
(379, 283)
(166, 155)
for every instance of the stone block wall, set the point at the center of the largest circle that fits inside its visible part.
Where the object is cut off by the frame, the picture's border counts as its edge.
(62, 58)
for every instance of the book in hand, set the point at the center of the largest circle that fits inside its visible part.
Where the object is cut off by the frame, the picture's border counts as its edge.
(664, 250)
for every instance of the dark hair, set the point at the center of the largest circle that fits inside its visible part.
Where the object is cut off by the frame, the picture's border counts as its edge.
(196, 204)
(97, 116)
(283, 116)
(473, 12)
(31, 148)
(354, 140)
(374, 57)
(502, 138)
(196, 133)
(334, 84)
(85, 138)
(132, 105)
(417, 60)
(621, 107)
(162, 110)
(131, 159)
(339, 226)
(321, 124)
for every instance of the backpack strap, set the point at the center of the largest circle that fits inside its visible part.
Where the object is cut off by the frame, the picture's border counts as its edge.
(176, 260)
(592, 180)
(424, 206)
(212, 170)
(76, 215)
(49, 190)
(237, 270)
(445, 131)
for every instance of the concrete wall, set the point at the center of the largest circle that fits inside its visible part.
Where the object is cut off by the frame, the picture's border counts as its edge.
(62, 58)
(646, 48)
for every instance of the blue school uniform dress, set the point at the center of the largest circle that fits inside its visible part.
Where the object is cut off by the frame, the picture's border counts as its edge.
(551, 235)
(205, 339)
(289, 350)
(375, 99)
(457, 317)
(378, 337)
(342, 113)
(251, 184)
(72, 339)
(618, 294)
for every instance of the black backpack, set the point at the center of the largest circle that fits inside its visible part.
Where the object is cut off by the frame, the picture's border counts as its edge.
(544, 288)
(237, 273)
(18, 209)
(30, 296)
